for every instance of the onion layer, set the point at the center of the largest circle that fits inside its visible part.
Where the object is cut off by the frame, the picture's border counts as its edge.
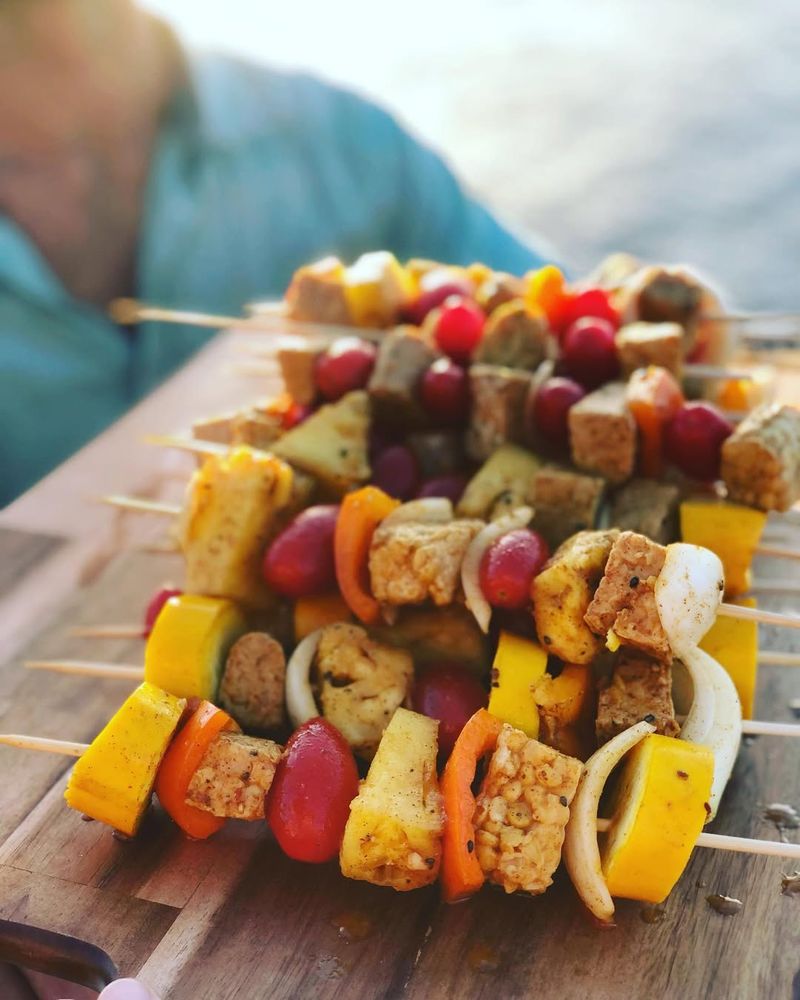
(581, 851)
(300, 702)
(688, 592)
(428, 510)
(724, 736)
(470, 567)
(702, 711)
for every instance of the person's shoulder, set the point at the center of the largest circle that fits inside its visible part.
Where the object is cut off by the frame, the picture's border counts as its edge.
(238, 99)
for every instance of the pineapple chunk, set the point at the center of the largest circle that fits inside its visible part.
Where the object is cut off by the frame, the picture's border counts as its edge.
(113, 780)
(332, 443)
(376, 287)
(394, 834)
(228, 519)
(186, 651)
(507, 473)
(563, 591)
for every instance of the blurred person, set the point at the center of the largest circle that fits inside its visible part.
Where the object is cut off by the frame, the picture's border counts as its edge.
(129, 167)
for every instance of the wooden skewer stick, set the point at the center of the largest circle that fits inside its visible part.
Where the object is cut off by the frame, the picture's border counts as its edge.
(743, 845)
(44, 745)
(753, 727)
(775, 659)
(142, 505)
(89, 668)
(766, 586)
(778, 551)
(759, 615)
(196, 446)
(128, 312)
(106, 632)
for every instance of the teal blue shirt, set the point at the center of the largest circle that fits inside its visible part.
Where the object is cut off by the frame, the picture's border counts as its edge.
(255, 172)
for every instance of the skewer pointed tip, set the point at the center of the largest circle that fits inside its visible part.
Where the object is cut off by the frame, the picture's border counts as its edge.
(123, 311)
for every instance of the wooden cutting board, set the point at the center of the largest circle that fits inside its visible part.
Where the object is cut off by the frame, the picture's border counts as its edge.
(232, 917)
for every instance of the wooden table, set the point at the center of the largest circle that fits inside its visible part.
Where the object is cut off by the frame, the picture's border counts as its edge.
(234, 918)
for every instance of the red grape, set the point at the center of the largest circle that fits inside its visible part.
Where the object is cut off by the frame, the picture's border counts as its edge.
(445, 392)
(299, 562)
(449, 693)
(396, 472)
(308, 803)
(551, 406)
(693, 440)
(593, 302)
(345, 366)
(509, 566)
(433, 294)
(157, 602)
(450, 486)
(590, 353)
(459, 328)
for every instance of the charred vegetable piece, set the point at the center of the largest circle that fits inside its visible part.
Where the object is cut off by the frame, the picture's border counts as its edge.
(332, 443)
(362, 683)
(507, 474)
(113, 780)
(394, 834)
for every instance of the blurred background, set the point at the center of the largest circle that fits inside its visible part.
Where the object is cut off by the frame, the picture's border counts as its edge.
(667, 128)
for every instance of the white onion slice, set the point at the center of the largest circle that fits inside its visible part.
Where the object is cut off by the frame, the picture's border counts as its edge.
(688, 593)
(702, 711)
(581, 852)
(725, 734)
(428, 510)
(470, 567)
(300, 702)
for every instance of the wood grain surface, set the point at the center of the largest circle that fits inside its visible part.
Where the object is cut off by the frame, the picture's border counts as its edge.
(233, 918)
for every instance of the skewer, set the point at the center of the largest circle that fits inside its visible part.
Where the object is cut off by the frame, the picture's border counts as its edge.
(775, 586)
(120, 671)
(759, 615)
(778, 659)
(778, 551)
(196, 446)
(142, 505)
(106, 632)
(715, 841)
(43, 745)
(129, 312)
(89, 668)
(743, 845)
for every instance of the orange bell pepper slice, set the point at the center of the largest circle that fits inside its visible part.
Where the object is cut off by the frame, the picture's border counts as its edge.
(547, 290)
(653, 397)
(359, 515)
(182, 760)
(460, 874)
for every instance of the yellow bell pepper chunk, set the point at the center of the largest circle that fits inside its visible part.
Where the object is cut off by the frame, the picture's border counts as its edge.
(186, 651)
(659, 812)
(311, 613)
(376, 287)
(518, 665)
(734, 644)
(730, 530)
(113, 780)
(228, 519)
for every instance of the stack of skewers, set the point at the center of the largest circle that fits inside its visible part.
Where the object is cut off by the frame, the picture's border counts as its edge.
(453, 540)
